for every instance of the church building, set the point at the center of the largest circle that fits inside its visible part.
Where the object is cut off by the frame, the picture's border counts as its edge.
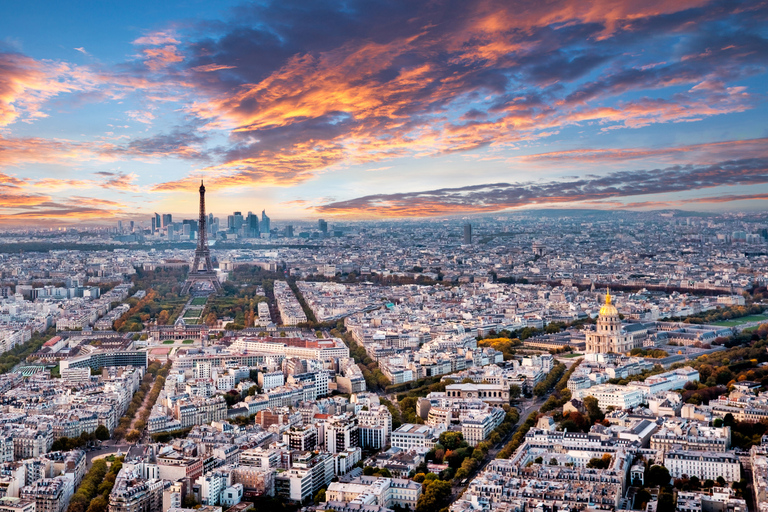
(609, 336)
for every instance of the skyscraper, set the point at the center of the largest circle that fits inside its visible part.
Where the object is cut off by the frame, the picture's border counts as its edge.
(264, 222)
(167, 220)
(323, 226)
(158, 224)
(467, 234)
(238, 221)
(252, 225)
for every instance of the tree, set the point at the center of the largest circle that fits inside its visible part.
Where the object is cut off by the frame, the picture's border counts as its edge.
(593, 409)
(102, 433)
(553, 461)
(666, 502)
(658, 476)
(515, 391)
(98, 504)
(641, 499)
(600, 463)
(320, 497)
(190, 501)
(133, 436)
(452, 440)
(436, 495)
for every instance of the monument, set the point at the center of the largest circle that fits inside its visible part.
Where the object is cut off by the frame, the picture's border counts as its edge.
(201, 276)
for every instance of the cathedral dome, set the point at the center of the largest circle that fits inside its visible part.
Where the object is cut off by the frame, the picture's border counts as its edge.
(608, 309)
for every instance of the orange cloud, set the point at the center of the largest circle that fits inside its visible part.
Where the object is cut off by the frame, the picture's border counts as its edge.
(161, 57)
(26, 84)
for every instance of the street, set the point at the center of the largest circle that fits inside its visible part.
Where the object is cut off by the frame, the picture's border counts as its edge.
(528, 406)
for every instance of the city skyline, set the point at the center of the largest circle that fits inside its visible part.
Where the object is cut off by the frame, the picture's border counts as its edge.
(380, 110)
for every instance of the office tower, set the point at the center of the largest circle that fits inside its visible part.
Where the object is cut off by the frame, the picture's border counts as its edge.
(189, 228)
(238, 221)
(158, 223)
(252, 225)
(264, 222)
(467, 233)
(289, 230)
(230, 222)
(119, 226)
(131, 226)
(167, 220)
(322, 225)
(202, 271)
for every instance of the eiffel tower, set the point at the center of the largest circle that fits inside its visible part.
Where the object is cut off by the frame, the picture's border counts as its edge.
(202, 269)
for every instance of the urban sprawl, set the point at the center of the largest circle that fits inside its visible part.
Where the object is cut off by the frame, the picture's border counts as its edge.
(534, 361)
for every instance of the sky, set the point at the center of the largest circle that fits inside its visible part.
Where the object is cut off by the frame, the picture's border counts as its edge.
(379, 109)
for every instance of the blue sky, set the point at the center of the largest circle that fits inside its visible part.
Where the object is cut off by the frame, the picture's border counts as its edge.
(368, 109)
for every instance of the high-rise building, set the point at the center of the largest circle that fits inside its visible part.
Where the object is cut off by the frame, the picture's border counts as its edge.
(264, 222)
(119, 226)
(167, 220)
(322, 226)
(158, 223)
(237, 221)
(467, 233)
(130, 224)
(252, 225)
(289, 230)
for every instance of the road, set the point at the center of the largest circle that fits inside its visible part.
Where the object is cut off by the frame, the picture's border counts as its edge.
(111, 447)
(528, 406)
(749, 493)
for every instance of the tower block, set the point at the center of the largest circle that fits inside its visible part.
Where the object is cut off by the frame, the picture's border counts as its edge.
(202, 276)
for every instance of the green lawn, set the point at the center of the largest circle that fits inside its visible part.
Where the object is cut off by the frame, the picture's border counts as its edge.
(192, 314)
(199, 301)
(168, 342)
(572, 355)
(743, 320)
(188, 342)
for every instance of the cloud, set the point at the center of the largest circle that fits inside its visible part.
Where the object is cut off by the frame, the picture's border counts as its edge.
(278, 93)
(156, 39)
(366, 82)
(141, 116)
(209, 68)
(82, 50)
(26, 84)
(501, 196)
(689, 152)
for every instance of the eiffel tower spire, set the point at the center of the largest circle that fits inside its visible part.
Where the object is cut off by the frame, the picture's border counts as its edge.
(202, 271)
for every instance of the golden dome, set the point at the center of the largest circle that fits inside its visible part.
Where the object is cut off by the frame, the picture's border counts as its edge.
(608, 309)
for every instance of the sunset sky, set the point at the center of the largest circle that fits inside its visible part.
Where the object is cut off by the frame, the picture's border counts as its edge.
(370, 109)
